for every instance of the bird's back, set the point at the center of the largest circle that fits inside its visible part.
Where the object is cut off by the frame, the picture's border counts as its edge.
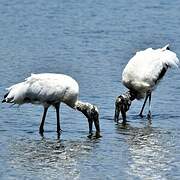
(146, 68)
(48, 87)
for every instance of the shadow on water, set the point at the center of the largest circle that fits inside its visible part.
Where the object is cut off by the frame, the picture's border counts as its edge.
(149, 148)
(48, 158)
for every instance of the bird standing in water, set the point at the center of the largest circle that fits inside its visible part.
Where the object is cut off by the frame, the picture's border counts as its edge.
(51, 89)
(141, 76)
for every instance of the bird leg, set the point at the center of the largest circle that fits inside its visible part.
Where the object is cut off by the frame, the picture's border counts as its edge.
(41, 128)
(149, 112)
(57, 105)
(140, 114)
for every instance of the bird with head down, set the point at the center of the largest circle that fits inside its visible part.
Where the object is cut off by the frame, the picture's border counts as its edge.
(141, 76)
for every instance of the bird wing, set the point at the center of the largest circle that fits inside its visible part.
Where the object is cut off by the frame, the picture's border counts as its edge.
(44, 88)
(17, 93)
(145, 69)
(52, 87)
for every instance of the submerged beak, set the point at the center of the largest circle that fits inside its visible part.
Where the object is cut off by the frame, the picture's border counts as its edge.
(121, 105)
(116, 114)
(117, 109)
(95, 119)
(97, 126)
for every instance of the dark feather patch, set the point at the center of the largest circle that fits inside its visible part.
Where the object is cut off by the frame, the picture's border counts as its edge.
(6, 95)
(162, 73)
(4, 100)
(26, 99)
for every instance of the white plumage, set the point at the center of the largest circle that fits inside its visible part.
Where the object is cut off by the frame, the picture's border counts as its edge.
(52, 89)
(143, 73)
(43, 88)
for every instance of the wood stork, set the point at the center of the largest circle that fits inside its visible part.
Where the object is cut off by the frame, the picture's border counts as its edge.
(141, 76)
(52, 89)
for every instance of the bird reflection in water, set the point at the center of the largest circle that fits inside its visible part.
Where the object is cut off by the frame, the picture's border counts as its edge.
(55, 159)
(148, 150)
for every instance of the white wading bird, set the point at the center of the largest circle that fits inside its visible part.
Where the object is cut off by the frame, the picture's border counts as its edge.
(52, 89)
(141, 76)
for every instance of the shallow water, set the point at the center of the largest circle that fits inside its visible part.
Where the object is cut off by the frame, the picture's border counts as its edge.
(92, 41)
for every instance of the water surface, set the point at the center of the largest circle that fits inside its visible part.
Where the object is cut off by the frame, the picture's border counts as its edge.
(91, 41)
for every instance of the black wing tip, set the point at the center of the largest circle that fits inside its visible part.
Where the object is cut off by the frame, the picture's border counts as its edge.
(6, 95)
(168, 48)
(3, 101)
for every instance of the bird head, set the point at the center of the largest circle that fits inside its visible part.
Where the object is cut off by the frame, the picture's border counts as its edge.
(92, 114)
(122, 104)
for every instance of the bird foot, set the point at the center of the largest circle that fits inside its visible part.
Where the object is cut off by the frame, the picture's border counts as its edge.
(95, 136)
(116, 120)
(141, 115)
(124, 123)
(41, 131)
(90, 135)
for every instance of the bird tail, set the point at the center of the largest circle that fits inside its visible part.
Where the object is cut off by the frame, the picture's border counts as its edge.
(15, 94)
(166, 47)
(168, 57)
(8, 98)
(4, 100)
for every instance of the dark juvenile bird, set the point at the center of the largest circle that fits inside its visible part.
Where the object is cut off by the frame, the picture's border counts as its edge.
(51, 89)
(141, 76)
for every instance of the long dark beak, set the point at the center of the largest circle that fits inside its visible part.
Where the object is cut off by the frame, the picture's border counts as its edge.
(117, 109)
(123, 112)
(116, 114)
(96, 122)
